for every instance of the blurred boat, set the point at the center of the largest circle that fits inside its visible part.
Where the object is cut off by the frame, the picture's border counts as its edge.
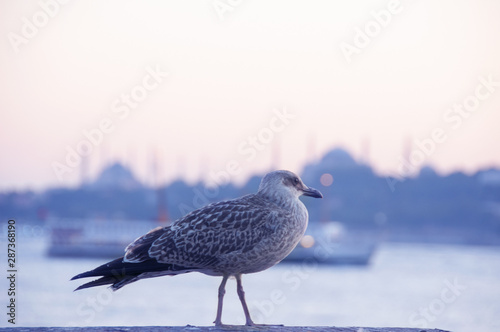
(331, 243)
(96, 238)
(323, 243)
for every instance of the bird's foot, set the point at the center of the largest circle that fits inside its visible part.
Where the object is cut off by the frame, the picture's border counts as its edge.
(250, 323)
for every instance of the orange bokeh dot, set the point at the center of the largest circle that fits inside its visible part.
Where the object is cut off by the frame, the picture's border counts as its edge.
(326, 179)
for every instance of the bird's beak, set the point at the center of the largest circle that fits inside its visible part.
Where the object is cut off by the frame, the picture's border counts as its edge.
(308, 191)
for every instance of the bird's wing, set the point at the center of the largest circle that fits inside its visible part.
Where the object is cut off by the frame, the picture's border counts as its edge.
(201, 237)
(138, 251)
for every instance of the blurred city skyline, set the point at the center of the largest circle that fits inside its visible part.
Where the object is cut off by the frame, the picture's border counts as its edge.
(188, 88)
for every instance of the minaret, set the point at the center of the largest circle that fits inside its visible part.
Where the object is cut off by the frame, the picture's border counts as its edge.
(204, 167)
(407, 147)
(406, 167)
(311, 147)
(84, 171)
(161, 195)
(365, 151)
(154, 169)
(276, 155)
(180, 171)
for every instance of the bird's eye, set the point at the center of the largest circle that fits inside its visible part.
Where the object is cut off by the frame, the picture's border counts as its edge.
(296, 180)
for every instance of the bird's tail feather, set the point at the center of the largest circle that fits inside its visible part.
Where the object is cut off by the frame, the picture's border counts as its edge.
(118, 273)
(115, 282)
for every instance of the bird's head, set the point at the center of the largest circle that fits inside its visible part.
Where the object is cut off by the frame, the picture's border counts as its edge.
(283, 184)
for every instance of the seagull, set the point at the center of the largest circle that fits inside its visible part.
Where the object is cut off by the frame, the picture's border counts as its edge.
(225, 239)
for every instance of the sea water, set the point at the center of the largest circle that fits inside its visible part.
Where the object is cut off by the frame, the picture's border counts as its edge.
(449, 287)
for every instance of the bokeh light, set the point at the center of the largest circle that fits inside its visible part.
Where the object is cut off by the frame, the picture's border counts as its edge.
(307, 241)
(326, 179)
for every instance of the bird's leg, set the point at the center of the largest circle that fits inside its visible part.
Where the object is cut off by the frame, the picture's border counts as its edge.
(241, 295)
(222, 291)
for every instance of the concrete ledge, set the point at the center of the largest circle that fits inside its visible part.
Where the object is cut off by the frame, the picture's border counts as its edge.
(225, 328)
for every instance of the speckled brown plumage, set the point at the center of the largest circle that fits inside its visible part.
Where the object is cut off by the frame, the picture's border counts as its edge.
(229, 238)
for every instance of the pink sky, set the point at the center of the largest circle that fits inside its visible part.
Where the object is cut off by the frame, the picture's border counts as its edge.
(245, 80)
